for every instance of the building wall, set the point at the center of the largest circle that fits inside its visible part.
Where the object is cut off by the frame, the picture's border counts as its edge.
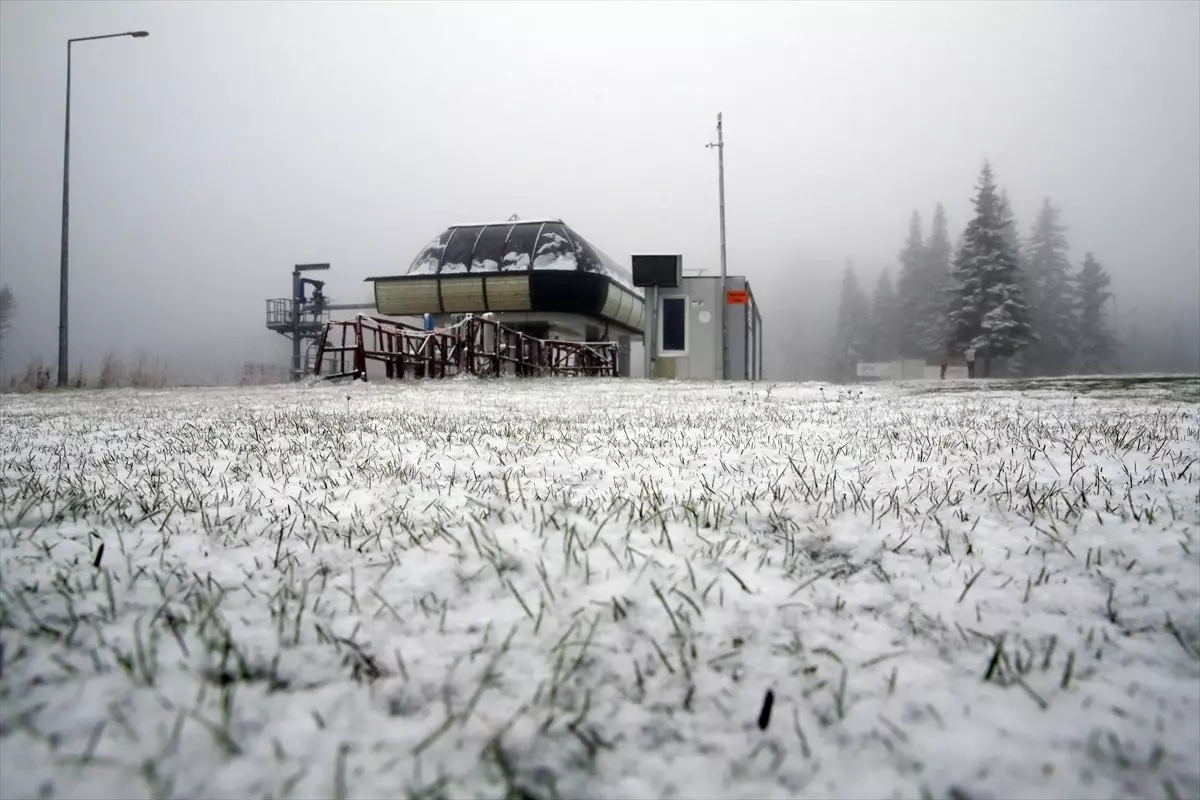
(637, 357)
(700, 358)
(909, 369)
(737, 334)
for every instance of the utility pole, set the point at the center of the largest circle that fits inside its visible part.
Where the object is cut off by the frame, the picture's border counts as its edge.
(720, 145)
(66, 207)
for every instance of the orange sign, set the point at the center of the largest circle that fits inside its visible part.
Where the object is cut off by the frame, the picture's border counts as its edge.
(737, 297)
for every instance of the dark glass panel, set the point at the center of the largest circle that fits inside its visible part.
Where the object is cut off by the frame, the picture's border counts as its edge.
(426, 263)
(518, 253)
(458, 250)
(489, 250)
(554, 249)
(674, 324)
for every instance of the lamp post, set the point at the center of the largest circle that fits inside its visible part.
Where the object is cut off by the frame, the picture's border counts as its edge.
(62, 289)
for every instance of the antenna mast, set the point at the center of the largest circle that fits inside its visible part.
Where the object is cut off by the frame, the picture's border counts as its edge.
(720, 145)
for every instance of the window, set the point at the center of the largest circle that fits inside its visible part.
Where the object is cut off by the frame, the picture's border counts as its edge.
(518, 251)
(672, 334)
(592, 260)
(589, 259)
(427, 262)
(489, 249)
(457, 255)
(554, 250)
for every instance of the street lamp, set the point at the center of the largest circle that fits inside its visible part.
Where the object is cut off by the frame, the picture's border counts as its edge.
(62, 289)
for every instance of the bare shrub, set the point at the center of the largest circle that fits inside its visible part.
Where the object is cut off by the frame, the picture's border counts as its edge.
(112, 371)
(35, 379)
(254, 374)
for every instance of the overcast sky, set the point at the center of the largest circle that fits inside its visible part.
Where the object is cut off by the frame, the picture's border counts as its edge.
(243, 137)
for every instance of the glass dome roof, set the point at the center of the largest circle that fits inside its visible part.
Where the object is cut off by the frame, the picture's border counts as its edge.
(514, 246)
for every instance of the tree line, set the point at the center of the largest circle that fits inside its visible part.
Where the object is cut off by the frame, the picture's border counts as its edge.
(8, 310)
(1020, 305)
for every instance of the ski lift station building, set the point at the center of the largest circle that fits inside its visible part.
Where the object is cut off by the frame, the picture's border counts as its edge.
(544, 279)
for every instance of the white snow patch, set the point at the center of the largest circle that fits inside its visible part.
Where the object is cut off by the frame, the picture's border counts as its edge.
(555, 261)
(585, 588)
(515, 262)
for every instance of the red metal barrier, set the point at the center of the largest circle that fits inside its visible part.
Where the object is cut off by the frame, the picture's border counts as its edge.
(474, 346)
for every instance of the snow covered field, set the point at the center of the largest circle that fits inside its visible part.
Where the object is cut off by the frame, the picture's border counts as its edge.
(588, 588)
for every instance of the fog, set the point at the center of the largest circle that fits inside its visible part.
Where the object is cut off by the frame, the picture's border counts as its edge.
(241, 138)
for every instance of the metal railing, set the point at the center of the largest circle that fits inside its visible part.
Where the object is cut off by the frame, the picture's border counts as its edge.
(279, 313)
(475, 346)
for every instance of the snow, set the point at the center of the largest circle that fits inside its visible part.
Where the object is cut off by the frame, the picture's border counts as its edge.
(554, 253)
(555, 261)
(585, 588)
(515, 262)
(426, 266)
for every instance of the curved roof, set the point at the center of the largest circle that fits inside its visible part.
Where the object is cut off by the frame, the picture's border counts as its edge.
(514, 246)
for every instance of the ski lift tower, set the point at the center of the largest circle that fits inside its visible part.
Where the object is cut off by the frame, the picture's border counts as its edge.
(302, 317)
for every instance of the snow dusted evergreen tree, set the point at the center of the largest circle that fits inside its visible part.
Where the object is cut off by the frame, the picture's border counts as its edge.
(885, 320)
(1095, 344)
(912, 300)
(1053, 295)
(1010, 224)
(8, 309)
(1016, 363)
(988, 311)
(853, 334)
(931, 340)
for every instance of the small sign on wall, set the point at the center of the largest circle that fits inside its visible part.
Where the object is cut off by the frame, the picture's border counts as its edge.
(737, 297)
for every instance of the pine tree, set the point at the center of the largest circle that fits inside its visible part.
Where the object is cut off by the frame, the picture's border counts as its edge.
(931, 340)
(885, 320)
(1095, 343)
(988, 311)
(1009, 219)
(8, 309)
(913, 303)
(1053, 294)
(1017, 363)
(853, 333)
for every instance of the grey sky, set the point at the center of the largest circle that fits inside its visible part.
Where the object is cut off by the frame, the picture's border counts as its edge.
(243, 137)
